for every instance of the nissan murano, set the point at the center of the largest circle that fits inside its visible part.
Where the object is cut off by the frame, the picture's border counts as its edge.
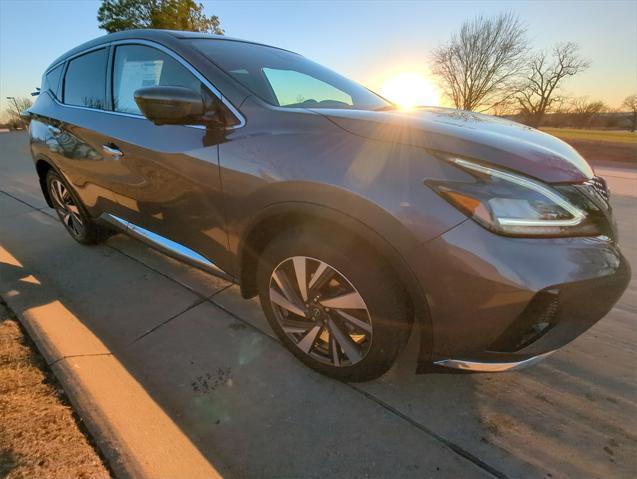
(354, 222)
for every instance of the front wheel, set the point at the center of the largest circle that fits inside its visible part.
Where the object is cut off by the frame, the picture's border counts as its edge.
(333, 303)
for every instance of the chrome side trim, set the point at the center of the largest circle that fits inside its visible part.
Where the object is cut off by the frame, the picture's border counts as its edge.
(119, 113)
(475, 366)
(78, 54)
(167, 246)
(171, 53)
(115, 221)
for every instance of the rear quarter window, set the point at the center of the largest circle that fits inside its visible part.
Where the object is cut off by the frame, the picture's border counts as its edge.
(85, 80)
(51, 81)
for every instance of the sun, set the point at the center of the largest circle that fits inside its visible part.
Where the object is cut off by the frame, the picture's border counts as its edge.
(410, 89)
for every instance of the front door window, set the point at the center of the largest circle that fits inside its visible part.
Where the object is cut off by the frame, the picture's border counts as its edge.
(139, 66)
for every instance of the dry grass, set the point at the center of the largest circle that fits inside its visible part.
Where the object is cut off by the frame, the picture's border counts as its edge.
(601, 147)
(39, 436)
(610, 136)
(604, 153)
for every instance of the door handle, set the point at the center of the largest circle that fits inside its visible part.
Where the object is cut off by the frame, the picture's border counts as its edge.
(113, 151)
(54, 129)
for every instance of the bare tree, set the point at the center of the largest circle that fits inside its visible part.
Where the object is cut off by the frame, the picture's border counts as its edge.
(506, 107)
(545, 74)
(583, 111)
(479, 66)
(16, 106)
(630, 103)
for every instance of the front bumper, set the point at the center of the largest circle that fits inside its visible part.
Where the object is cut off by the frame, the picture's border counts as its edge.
(500, 303)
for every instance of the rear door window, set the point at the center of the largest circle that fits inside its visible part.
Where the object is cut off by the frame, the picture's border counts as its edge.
(85, 80)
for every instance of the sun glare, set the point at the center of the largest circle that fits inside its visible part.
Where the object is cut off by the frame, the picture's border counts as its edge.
(409, 90)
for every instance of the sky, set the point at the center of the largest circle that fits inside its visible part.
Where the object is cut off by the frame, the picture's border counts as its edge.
(371, 42)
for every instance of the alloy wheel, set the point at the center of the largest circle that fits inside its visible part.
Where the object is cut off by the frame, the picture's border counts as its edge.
(66, 208)
(320, 310)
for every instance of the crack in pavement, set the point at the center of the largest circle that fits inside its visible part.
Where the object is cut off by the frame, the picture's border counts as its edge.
(421, 427)
(175, 316)
(22, 202)
(44, 210)
(70, 356)
(449, 444)
(161, 273)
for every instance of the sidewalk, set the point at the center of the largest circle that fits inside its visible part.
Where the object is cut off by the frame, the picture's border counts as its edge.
(177, 376)
(173, 386)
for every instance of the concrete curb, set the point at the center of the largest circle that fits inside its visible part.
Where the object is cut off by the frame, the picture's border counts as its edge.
(134, 434)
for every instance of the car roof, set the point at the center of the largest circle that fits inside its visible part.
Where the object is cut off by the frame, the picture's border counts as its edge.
(159, 36)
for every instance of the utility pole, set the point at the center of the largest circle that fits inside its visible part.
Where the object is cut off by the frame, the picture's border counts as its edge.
(15, 102)
(17, 108)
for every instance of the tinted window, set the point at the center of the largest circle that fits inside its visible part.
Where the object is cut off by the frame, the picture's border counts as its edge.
(85, 80)
(139, 66)
(51, 81)
(286, 79)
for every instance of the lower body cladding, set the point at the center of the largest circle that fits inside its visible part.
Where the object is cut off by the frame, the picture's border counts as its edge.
(498, 303)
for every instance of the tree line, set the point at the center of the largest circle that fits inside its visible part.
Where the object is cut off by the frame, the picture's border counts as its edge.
(488, 66)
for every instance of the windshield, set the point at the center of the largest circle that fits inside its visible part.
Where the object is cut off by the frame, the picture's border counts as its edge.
(286, 79)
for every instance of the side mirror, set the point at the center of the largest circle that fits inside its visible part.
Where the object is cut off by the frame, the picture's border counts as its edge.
(174, 105)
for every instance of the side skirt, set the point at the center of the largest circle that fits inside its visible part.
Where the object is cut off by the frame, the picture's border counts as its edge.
(166, 246)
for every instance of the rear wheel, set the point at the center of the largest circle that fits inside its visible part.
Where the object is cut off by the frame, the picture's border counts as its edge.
(72, 213)
(335, 304)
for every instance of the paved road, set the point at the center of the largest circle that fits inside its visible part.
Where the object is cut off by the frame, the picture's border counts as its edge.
(207, 360)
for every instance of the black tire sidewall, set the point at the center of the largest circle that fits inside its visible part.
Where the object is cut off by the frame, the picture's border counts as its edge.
(87, 234)
(370, 275)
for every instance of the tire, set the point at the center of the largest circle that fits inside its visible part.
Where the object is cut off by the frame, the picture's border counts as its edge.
(356, 282)
(72, 212)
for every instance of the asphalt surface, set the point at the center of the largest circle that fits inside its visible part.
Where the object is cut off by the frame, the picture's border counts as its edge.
(237, 401)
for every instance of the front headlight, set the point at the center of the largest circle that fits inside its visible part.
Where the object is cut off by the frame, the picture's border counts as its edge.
(514, 205)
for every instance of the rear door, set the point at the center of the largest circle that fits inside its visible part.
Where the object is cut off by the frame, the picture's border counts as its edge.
(67, 128)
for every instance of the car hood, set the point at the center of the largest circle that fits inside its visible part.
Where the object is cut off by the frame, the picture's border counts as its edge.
(486, 138)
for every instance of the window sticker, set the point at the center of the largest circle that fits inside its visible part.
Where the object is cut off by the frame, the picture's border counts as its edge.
(136, 75)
